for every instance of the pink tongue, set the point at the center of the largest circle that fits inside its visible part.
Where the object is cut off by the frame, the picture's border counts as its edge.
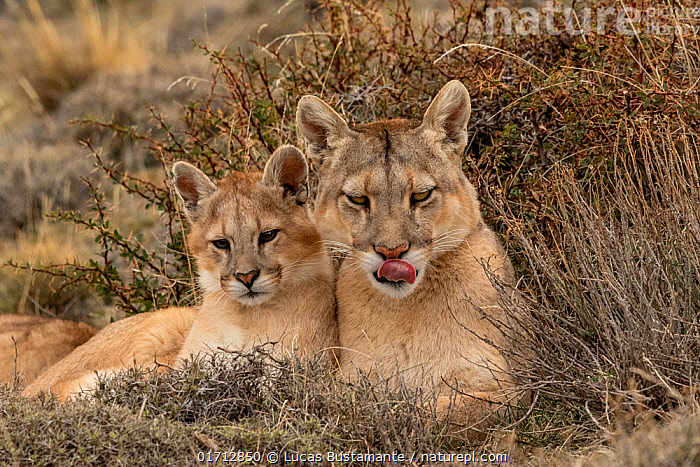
(396, 270)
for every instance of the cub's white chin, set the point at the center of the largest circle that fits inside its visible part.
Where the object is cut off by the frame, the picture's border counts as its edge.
(254, 299)
(396, 290)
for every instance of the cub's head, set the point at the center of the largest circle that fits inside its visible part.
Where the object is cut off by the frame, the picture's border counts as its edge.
(392, 193)
(250, 232)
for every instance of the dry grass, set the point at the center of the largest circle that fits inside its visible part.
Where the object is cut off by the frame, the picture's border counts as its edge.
(55, 59)
(585, 153)
(32, 187)
(222, 402)
(675, 443)
(47, 433)
(607, 314)
(37, 179)
(26, 293)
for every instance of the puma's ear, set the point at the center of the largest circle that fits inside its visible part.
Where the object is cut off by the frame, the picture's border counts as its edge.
(287, 168)
(192, 185)
(319, 127)
(449, 113)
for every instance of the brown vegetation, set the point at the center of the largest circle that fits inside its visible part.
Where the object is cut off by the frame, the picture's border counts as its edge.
(584, 150)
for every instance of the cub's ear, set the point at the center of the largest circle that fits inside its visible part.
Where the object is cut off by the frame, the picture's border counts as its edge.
(319, 126)
(287, 168)
(192, 185)
(449, 113)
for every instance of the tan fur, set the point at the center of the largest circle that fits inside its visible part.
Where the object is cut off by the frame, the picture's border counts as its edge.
(294, 267)
(290, 302)
(426, 332)
(38, 342)
(140, 340)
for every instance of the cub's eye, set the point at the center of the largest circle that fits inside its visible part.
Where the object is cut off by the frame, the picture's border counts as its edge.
(360, 200)
(268, 236)
(221, 244)
(418, 197)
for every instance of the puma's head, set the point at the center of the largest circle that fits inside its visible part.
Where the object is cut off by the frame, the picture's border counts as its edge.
(392, 194)
(250, 233)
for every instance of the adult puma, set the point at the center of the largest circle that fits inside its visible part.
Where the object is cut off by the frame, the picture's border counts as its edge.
(37, 343)
(412, 290)
(265, 275)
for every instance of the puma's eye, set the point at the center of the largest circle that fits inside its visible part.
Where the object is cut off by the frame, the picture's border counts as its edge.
(418, 197)
(268, 235)
(360, 200)
(221, 244)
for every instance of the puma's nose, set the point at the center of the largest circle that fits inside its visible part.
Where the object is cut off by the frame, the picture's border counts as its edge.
(247, 278)
(392, 253)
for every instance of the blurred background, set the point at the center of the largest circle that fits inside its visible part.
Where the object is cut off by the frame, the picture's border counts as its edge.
(584, 150)
(108, 60)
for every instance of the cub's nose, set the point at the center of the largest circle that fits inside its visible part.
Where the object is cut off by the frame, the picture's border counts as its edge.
(392, 253)
(247, 278)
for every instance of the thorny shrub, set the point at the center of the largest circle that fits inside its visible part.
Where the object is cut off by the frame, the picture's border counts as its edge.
(583, 149)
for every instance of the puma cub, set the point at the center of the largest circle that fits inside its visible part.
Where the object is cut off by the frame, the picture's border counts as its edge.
(38, 343)
(393, 197)
(265, 273)
(262, 267)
